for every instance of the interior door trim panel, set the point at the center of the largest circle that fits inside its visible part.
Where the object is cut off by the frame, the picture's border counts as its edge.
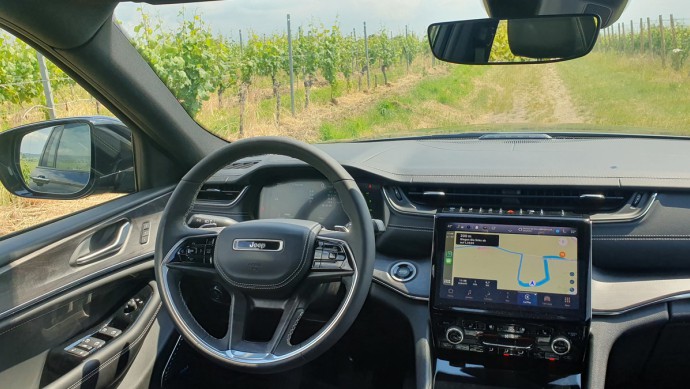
(106, 364)
(50, 269)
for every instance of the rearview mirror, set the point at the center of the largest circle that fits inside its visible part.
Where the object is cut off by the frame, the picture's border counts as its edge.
(67, 158)
(538, 39)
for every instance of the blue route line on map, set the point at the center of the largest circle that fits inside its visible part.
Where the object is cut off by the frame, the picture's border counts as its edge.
(546, 259)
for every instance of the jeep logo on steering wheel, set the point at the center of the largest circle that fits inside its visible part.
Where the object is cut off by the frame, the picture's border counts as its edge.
(257, 245)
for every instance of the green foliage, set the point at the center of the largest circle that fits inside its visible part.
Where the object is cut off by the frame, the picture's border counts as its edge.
(194, 63)
(306, 52)
(269, 55)
(19, 74)
(650, 41)
(329, 63)
(185, 60)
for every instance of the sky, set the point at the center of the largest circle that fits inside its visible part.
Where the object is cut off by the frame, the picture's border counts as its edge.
(269, 16)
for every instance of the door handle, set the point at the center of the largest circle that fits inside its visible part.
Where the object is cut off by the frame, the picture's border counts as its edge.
(41, 180)
(101, 244)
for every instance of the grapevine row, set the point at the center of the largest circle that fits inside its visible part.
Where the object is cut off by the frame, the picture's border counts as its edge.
(195, 63)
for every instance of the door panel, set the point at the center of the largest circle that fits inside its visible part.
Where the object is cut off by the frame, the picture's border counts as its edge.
(81, 281)
(56, 266)
(40, 337)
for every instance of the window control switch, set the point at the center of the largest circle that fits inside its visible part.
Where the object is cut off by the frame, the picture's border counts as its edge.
(85, 346)
(76, 351)
(110, 331)
(93, 342)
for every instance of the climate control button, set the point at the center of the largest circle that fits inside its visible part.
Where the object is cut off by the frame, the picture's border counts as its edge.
(560, 345)
(455, 335)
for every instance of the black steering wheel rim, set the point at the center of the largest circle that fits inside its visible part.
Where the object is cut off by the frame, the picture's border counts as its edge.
(358, 242)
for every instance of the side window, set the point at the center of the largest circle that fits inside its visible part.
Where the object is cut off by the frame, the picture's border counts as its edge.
(73, 155)
(50, 147)
(74, 150)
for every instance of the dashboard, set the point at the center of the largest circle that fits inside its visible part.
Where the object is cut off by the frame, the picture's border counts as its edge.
(635, 192)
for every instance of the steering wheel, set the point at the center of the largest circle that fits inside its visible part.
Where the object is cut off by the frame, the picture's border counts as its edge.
(277, 264)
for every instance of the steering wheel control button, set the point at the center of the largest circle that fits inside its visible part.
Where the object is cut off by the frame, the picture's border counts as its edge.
(329, 255)
(198, 250)
(560, 346)
(110, 331)
(454, 335)
(403, 271)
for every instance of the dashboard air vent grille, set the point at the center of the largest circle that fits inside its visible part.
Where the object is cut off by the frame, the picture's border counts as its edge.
(584, 201)
(242, 165)
(219, 193)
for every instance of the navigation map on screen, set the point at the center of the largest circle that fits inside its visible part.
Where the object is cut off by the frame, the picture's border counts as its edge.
(508, 264)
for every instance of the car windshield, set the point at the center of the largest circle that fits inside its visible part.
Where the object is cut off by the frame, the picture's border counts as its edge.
(364, 70)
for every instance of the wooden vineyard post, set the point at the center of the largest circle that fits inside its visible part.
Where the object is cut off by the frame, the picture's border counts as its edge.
(366, 53)
(641, 36)
(632, 37)
(663, 41)
(673, 33)
(649, 36)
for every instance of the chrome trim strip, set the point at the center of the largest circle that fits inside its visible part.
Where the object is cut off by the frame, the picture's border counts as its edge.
(667, 299)
(236, 244)
(596, 218)
(399, 209)
(222, 204)
(400, 292)
(611, 217)
(396, 265)
(263, 358)
(507, 346)
(434, 193)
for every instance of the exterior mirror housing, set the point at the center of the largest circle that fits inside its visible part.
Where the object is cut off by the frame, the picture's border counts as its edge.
(539, 39)
(67, 158)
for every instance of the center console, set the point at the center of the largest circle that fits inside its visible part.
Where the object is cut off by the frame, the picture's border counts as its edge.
(511, 294)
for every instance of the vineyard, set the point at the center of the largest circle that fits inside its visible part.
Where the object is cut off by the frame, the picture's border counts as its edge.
(666, 39)
(356, 84)
(324, 63)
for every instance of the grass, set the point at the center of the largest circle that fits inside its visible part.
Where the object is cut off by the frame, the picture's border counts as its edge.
(412, 109)
(630, 92)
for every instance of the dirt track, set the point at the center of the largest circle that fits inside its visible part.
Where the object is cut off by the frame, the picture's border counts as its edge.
(520, 94)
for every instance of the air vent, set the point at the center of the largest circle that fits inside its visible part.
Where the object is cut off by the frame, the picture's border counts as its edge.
(584, 201)
(220, 194)
(241, 165)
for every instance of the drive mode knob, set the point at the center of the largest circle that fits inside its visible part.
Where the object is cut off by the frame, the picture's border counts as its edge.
(455, 335)
(560, 345)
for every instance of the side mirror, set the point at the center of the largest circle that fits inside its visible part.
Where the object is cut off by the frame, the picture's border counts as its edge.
(539, 39)
(67, 158)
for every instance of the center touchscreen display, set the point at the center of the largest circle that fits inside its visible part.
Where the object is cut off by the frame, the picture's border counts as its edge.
(526, 266)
